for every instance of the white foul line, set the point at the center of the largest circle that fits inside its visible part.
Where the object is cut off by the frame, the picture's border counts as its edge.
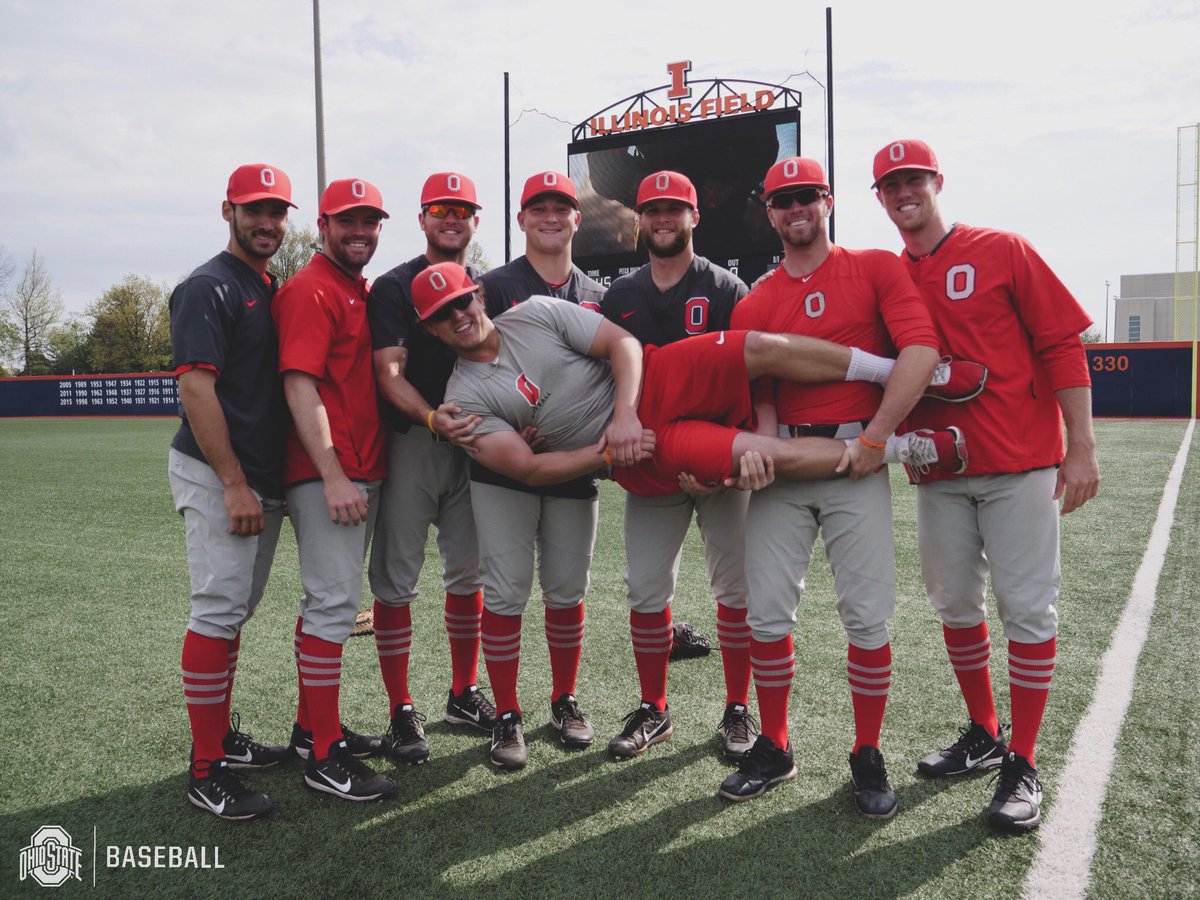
(1068, 836)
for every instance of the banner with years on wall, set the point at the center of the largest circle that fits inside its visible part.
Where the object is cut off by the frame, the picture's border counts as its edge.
(137, 394)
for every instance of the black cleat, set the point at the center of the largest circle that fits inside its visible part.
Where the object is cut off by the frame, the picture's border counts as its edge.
(222, 793)
(645, 726)
(687, 642)
(508, 742)
(763, 767)
(243, 752)
(360, 745)
(873, 795)
(405, 740)
(574, 729)
(1017, 804)
(975, 750)
(344, 776)
(471, 707)
(737, 731)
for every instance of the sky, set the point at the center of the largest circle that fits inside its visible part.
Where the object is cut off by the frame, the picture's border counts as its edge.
(120, 121)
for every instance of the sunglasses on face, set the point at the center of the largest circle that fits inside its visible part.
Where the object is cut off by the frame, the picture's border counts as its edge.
(458, 303)
(441, 210)
(804, 197)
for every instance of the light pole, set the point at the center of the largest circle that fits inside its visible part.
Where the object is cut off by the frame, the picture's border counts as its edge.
(1106, 310)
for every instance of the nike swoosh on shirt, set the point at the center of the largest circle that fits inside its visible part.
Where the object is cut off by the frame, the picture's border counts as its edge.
(805, 278)
(626, 315)
(250, 304)
(721, 339)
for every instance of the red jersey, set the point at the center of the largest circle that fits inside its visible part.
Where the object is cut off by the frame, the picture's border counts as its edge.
(321, 317)
(860, 298)
(996, 302)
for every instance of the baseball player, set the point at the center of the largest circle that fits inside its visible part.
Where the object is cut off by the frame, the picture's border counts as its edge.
(513, 519)
(428, 484)
(994, 298)
(576, 378)
(225, 468)
(677, 295)
(863, 298)
(334, 462)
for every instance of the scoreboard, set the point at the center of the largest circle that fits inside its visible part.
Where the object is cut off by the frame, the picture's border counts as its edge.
(140, 394)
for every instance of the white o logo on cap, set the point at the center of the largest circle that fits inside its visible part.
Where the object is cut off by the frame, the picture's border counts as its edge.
(267, 177)
(663, 181)
(437, 281)
(550, 179)
(358, 189)
(791, 168)
(453, 183)
(896, 152)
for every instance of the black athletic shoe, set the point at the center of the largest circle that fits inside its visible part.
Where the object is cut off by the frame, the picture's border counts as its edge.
(508, 742)
(243, 752)
(764, 766)
(405, 740)
(1017, 805)
(222, 793)
(737, 731)
(974, 750)
(574, 729)
(344, 776)
(471, 707)
(687, 642)
(643, 727)
(873, 795)
(360, 745)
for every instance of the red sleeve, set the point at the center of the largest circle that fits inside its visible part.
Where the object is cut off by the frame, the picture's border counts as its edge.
(187, 367)
(1052, 317)
(900, 303)
(305, 328)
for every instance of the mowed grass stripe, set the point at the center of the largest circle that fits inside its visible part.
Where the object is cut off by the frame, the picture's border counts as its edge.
(94, 590)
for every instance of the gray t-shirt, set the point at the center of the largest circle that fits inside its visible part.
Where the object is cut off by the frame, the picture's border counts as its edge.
(542, 376)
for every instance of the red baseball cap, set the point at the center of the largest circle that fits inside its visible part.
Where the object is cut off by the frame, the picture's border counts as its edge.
(794, 172)
(904, 155)
(449, 187)
(666, 186)
(549, 183)
(348, 193)
(258, 181)
(436, 286)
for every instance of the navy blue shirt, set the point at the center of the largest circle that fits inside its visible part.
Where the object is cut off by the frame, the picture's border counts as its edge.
(221, 318)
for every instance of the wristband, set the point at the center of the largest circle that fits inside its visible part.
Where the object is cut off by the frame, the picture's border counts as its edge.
(429, 421)
(870, 443)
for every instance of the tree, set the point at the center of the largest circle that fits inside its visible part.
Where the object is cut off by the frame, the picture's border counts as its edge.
(1092, 336)
(34, 306)
(477, 258)
(295, 251)
(68, 348)
(131, 328)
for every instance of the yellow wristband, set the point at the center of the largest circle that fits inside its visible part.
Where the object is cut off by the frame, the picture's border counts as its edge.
(429, 421)
(870, 443)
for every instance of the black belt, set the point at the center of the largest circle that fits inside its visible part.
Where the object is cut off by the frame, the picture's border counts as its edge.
(825, 431)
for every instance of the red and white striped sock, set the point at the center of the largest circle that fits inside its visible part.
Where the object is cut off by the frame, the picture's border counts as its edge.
(393, 641)
(234, 648)
(321, 678)
(774, 666)
(501, 643)
(463, 615)
(301, 705)
(564, 637)
(1030, 671)
(205, 666)
(970, 652)
(733, 634)
(870, 675)
(652, 638)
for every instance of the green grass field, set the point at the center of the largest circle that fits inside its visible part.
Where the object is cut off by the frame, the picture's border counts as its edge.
(93, 733)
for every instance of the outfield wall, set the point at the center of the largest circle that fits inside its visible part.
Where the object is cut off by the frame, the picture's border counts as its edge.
(134, 394)
(1143, 380)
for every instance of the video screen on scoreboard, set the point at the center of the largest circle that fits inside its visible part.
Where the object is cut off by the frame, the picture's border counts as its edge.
(726, 160)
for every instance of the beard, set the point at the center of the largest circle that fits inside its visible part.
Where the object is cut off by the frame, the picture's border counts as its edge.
(677, 245)
(246, 241)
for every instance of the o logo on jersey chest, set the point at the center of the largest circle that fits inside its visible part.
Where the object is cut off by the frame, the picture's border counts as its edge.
(453, 183)
(960, 281)
(814, 304)
(358, 189)
(695, 315)
(267, 177)
(896, 152)
(791, 168)
(437, 281)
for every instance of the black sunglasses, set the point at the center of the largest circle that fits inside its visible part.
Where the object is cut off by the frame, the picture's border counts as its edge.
(804, 197)
(458, 303)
